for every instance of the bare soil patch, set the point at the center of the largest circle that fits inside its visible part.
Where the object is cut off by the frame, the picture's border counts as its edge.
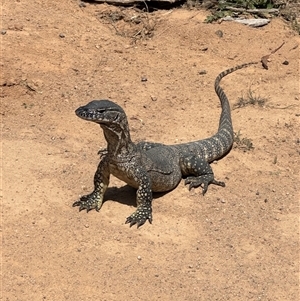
(240, 242)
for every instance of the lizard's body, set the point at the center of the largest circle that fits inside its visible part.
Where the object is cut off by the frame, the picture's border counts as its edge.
(153, 167)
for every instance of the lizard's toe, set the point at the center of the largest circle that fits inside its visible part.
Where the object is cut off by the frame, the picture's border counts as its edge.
(102, 152)
(88, 202)
(202, 181)
(140, 216)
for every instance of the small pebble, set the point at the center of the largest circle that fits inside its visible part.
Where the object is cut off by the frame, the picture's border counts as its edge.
(18, 27)
(139, 257)
(61, 35)
(219, 33)
(3, 31)
(285, 63)
(108, 69)
(144, 79)
(202, 72)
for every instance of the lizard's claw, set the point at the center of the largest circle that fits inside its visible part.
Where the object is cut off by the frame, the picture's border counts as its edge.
(202, 181)
(102, 152)
(140, 216)
(89, 202)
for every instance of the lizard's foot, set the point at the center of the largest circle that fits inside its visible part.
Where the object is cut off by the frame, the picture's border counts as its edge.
(102, 152)
(202, 181)
(89, 202)
(140, 216)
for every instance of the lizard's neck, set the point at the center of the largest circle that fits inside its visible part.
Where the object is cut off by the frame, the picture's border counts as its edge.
(118, 140)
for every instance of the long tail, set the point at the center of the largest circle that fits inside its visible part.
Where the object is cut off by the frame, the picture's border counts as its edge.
(225, 118)
(218, 145)
(225, 131)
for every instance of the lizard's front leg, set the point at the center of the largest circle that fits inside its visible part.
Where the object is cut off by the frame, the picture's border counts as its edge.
(143, 200)
(101, 180)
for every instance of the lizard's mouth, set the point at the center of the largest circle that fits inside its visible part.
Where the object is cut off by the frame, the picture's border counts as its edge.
(100, 116)
(90, 115)
(85, 114)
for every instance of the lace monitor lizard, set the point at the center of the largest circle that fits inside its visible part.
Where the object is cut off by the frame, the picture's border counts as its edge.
(153, 167)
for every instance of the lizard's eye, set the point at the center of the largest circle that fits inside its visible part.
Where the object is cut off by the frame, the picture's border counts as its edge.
(101, 111)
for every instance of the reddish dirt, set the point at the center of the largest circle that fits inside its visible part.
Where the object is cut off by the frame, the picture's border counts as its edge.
(240, 242)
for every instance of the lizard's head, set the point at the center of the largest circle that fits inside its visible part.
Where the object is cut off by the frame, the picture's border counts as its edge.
(103, 112)
(112, 119)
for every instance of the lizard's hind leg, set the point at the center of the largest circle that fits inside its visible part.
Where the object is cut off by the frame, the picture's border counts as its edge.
(198, 172)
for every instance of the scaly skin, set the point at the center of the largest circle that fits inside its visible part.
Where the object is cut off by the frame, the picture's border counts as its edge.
(153, 167)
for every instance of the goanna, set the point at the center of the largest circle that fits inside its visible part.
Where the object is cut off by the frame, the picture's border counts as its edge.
(153, 167)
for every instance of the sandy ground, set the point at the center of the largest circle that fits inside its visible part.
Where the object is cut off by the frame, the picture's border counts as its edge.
(240, 242)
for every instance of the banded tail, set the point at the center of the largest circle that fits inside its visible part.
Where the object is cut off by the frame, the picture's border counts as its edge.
(225, 118)
(218, 145)
(225, 132)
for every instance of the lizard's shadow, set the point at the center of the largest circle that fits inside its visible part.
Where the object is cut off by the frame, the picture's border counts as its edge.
(126, 195)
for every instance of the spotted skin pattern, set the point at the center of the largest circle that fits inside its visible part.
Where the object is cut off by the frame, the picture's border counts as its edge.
(153, 167)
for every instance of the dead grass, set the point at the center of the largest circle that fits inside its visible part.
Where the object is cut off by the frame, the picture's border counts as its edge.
(244, 144)
(132, 23)
(250, 99)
